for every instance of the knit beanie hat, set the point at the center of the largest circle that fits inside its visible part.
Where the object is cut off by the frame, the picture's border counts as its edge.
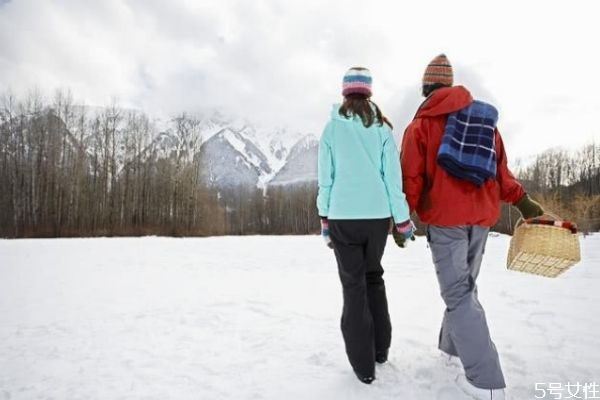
(439, 71)
(357, 80)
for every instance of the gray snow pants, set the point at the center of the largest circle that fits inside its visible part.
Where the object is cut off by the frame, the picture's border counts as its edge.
(457, 253)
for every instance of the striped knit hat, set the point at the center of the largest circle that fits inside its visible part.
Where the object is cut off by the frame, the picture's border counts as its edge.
(357, 80)
(439, 71)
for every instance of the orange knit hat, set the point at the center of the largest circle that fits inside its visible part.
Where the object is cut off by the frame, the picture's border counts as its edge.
(439, 71)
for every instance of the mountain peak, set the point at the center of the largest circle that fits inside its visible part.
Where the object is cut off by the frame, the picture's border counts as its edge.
(236, 157)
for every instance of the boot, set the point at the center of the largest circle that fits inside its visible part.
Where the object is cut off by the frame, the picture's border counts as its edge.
(478, 393)
(381, 356)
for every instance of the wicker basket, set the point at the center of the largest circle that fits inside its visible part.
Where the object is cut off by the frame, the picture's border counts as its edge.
(542, 249)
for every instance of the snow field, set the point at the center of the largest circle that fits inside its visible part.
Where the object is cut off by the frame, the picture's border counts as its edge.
(258, 318)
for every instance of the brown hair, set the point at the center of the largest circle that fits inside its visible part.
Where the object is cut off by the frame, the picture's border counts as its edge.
(359, 104)
(431, 87)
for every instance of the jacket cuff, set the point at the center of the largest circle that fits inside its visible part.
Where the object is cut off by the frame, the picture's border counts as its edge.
(525, 195)
(405, 226)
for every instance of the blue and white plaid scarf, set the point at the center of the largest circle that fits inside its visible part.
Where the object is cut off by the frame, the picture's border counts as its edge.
(468, 147)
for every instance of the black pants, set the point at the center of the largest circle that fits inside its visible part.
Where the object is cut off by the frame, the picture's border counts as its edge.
(366, 327)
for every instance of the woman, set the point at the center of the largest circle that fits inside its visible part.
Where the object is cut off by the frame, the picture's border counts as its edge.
(360, 188)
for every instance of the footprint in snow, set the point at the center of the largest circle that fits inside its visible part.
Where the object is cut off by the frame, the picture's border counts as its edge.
(424, 374)
(320, 359)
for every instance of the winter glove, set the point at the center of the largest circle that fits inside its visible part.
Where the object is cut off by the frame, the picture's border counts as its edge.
(404, 231)
(529, 208)
(325, 232)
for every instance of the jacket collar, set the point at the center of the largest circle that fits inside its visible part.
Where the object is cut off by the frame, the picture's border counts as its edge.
(445, 101)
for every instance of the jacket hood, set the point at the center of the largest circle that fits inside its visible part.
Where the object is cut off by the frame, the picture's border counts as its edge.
(445, 101)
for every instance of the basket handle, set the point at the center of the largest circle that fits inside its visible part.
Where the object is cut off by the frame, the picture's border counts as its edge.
(546, 213)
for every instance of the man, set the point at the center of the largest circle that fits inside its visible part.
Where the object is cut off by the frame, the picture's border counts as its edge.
(459, 205)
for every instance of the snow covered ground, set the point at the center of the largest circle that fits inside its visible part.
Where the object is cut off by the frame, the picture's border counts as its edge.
(258, 318)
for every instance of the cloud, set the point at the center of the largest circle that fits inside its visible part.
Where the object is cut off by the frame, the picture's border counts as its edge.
(280, 62)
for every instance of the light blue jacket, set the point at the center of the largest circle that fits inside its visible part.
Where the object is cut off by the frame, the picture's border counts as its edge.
(359, 171)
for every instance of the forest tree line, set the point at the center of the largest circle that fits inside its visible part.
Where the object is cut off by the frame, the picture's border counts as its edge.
(69, 171)
(567, 184)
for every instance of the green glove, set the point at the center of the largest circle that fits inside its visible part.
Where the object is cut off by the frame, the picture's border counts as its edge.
(529, 208)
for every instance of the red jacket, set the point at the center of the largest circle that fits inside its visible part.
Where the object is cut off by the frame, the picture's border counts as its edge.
(439, 198)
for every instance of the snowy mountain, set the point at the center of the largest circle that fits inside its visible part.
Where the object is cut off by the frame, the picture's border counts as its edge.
(229, 159)
(241, 154)
(233, 152)
(301, 163)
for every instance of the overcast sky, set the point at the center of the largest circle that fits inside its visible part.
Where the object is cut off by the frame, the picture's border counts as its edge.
(281, 62)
